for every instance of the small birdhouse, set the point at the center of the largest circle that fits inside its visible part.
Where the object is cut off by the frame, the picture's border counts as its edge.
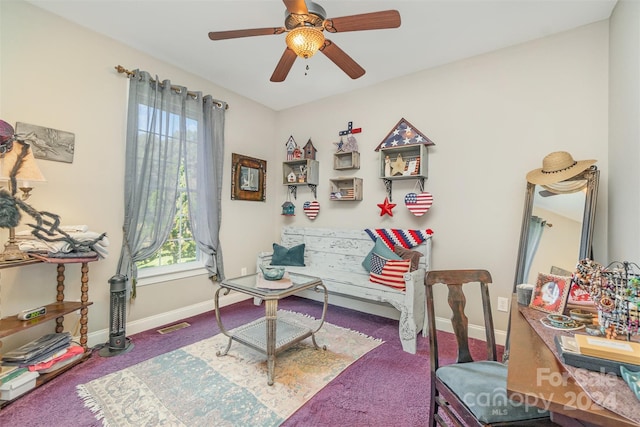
(310, 150)
(288, 208)
(291, 177)
(291, 147)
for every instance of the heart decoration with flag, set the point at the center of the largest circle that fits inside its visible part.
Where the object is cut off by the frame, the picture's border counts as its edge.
(418, 204)
(311, 209)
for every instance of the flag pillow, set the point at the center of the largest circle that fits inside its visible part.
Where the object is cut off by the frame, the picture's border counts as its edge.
(381, 249)
(389, 272)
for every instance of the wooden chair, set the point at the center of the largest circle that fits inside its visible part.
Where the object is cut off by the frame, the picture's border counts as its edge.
(471, 393)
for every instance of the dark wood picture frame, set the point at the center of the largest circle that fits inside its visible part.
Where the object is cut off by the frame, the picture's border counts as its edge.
(248, 178)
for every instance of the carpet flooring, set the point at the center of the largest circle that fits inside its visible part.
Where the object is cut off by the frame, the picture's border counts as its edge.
(386, 387)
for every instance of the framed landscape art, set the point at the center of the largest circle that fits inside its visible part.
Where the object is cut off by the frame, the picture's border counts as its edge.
(248, 178)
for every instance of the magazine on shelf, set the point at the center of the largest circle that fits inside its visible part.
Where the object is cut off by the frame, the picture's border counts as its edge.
(37, 350)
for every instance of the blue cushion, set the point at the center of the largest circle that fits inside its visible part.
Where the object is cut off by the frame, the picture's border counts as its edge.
(482, 387)
(285, 256)
(380, 249)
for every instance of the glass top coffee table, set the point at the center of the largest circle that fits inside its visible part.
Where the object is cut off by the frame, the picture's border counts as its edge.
(269, 334)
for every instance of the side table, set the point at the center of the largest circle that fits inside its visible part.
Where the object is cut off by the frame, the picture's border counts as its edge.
(269, 334)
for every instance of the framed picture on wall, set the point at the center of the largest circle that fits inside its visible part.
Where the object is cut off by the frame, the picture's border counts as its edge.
(550, 293)
(248, 178)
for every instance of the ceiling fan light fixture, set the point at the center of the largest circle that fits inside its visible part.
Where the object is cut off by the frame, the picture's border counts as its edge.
(305, 41)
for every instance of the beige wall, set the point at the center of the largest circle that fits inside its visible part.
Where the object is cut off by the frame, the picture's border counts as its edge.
(492, 117)
(624, 133)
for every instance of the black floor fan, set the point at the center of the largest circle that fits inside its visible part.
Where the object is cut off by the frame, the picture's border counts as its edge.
(118, 342)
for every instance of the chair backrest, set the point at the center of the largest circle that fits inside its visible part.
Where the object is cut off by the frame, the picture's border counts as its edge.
(455, 279)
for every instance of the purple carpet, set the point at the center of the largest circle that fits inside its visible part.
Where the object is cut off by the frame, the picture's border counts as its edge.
(386, 387)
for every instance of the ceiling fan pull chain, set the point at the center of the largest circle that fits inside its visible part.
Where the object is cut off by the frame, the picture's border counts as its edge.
(306, 70)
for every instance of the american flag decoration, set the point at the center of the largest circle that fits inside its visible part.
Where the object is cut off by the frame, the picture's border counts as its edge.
(292, 146)
(404, 133)
(389, 272)
(418, 204)
(311, 209)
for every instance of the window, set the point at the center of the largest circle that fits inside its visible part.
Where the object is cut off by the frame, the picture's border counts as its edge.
(172, 135)
(180, 247)
(179, 252)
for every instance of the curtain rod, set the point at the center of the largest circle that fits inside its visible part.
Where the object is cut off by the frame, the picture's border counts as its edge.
(123, 70)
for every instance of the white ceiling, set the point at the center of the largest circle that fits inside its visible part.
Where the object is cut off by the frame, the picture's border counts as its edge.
(432, 33)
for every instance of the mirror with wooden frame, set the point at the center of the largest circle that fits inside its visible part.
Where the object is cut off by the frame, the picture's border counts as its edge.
(565, 213)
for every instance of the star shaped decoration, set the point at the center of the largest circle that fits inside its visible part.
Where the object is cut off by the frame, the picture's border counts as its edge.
(397, 167)
(386, 207)
(339, 145)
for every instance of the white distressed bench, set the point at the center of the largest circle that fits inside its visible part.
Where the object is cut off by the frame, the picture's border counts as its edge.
(336, 256)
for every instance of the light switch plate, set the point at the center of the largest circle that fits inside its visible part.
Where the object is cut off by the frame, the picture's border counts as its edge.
(503, 304)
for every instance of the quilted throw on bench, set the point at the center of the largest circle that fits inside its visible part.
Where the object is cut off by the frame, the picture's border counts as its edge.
(393, 236)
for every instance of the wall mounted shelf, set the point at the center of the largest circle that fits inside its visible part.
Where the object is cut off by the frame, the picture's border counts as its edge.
(402, 163)
(343, 161)
(300, 172)
(346, 188)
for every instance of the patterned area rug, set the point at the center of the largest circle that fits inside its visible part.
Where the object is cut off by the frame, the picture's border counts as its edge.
(191, 386)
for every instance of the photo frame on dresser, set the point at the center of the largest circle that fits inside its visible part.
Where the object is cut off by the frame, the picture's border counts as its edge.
(550, 293)
(248, 178)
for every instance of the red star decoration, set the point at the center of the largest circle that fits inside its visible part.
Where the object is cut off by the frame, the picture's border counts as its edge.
(386, 207)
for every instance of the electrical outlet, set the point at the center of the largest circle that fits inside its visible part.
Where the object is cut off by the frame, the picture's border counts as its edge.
(503, 304)
(243, 271)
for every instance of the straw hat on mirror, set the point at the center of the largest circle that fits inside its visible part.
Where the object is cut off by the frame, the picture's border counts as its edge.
(558, 166)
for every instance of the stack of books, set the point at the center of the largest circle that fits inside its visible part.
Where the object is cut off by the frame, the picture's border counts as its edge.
(598, 353)
(46, 354)
(38, 350)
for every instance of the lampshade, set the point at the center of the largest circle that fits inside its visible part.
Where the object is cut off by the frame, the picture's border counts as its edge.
(305, 41)
(29, 171)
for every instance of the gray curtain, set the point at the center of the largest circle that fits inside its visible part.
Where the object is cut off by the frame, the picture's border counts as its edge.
(536, 227)
(205, 201)
(159, 118)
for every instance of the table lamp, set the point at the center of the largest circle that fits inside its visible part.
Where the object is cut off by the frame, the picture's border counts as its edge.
(17, 165)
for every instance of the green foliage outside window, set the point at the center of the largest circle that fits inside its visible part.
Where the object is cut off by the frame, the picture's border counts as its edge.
(180, 246)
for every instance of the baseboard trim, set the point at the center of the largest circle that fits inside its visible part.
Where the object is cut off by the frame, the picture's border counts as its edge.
(141, 325)
(153, 322)
(475, 331)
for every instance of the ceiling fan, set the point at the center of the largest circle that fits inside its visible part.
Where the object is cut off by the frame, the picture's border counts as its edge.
(304, 24)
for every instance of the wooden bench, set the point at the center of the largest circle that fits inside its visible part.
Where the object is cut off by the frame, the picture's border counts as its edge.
(336, 256)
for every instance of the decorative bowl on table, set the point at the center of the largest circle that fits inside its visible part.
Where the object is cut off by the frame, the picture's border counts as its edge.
(632, 379)
(560, 320)
(581, 316)
(272, 273)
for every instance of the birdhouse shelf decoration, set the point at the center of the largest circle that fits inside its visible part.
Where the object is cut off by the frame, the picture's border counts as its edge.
(292, 148)
(288, 208)
(309, 150)
(291, 177)
(403, 155)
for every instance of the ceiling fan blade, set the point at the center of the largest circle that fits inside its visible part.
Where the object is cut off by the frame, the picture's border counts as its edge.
(342, 60)
(284, 66)
(234, 34)
(364, 21)
(296, 6)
